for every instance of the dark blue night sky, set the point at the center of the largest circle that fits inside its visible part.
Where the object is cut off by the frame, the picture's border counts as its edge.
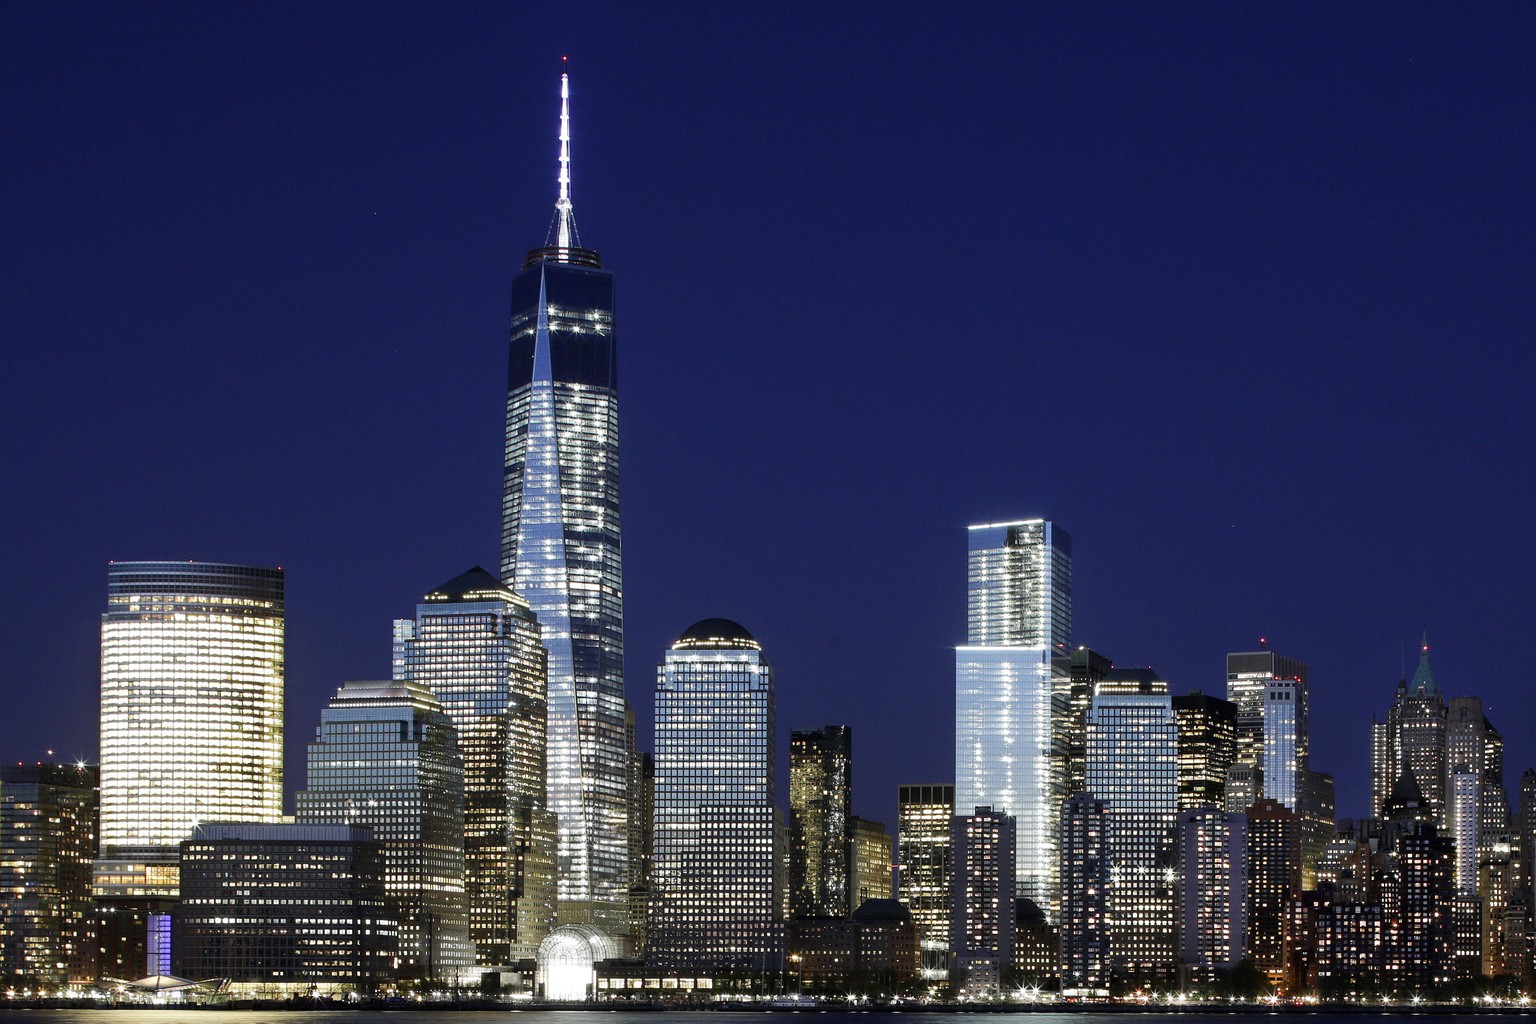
(1241, 295)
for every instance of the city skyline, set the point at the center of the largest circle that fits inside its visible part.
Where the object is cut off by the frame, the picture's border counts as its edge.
(1297, 351)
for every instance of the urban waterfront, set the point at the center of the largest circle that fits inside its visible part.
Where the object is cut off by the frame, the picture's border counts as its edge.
(866, 1016)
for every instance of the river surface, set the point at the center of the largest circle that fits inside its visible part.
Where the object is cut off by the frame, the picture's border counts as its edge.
(328, 1016)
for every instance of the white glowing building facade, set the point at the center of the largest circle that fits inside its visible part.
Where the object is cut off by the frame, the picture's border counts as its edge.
(1007, 676)
(191, 712)
(560, 547)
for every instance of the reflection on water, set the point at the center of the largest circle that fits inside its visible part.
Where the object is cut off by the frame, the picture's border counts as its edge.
(326, 1016)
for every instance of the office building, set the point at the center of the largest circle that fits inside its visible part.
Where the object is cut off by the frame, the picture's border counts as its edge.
(1011, 681)
(1274, 883)
(1413, 739)
(191, 731)
(1316, 812)
(560, 546)
(874, 857)
(821, 822)
(981, 925)
(1472, 743)
(1084, 670)
(475, 644)
(1213, 890)
(1244, 787)
(1249, 675)
(1280, 751)
(1085, 882)
(48, 818)
(1207, 747)
(717, 885)
(925, 864)
(284, 910)
(1133, 766)
(385, 756)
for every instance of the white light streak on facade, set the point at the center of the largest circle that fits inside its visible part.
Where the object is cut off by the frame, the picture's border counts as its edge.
(561, 551)
(1007, 678)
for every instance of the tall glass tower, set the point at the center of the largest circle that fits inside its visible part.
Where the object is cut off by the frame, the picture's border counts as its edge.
(1011, 687)
(560, 544)
(386, 755)
(475, 644)
(717, 880)
(191, 712)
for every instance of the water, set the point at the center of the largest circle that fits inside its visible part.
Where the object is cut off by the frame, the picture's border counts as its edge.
(340, 1016)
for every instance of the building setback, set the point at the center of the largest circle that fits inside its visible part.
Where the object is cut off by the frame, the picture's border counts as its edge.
(385, 756)
(1011, 682)
(475, 644)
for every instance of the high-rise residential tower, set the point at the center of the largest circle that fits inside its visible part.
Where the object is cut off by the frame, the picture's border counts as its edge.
(716, 881)
(1012, 690)
(475, 644)
(981, 925)
(385, 755)
(924, 856)
(1213, 889)
(1085, 878)
(821, 822)
(560, 545)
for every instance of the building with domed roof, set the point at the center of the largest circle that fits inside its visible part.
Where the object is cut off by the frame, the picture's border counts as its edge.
(716, 881)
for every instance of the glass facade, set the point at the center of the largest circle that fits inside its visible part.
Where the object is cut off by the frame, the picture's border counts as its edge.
(385, 756)
(191, 712)
(48, 817)
(1012, 690)
(1280, 753)
(717, 883)
(1207, 747)
(923, 851)
(1249, 675)
(560, 550)
(873, 858)
(821, 822)
(475, 644)
(1133, 766)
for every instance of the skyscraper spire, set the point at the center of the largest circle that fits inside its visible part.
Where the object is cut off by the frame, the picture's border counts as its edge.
(565, 218)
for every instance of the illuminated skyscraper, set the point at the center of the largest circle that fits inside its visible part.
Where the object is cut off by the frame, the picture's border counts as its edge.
(873, 857)
(1274, 882)
(191, 718)
(821, 822)
(717, 884)
(560, 546)
(1012, 690)
(1213, 889)
(48, 815)
(475, 644)
(385, 756)
(1412, 739)
(1133, 766)
(981, 925)
(923, 851)
(1085, 881)
(1207, 745)
(1277, 748)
